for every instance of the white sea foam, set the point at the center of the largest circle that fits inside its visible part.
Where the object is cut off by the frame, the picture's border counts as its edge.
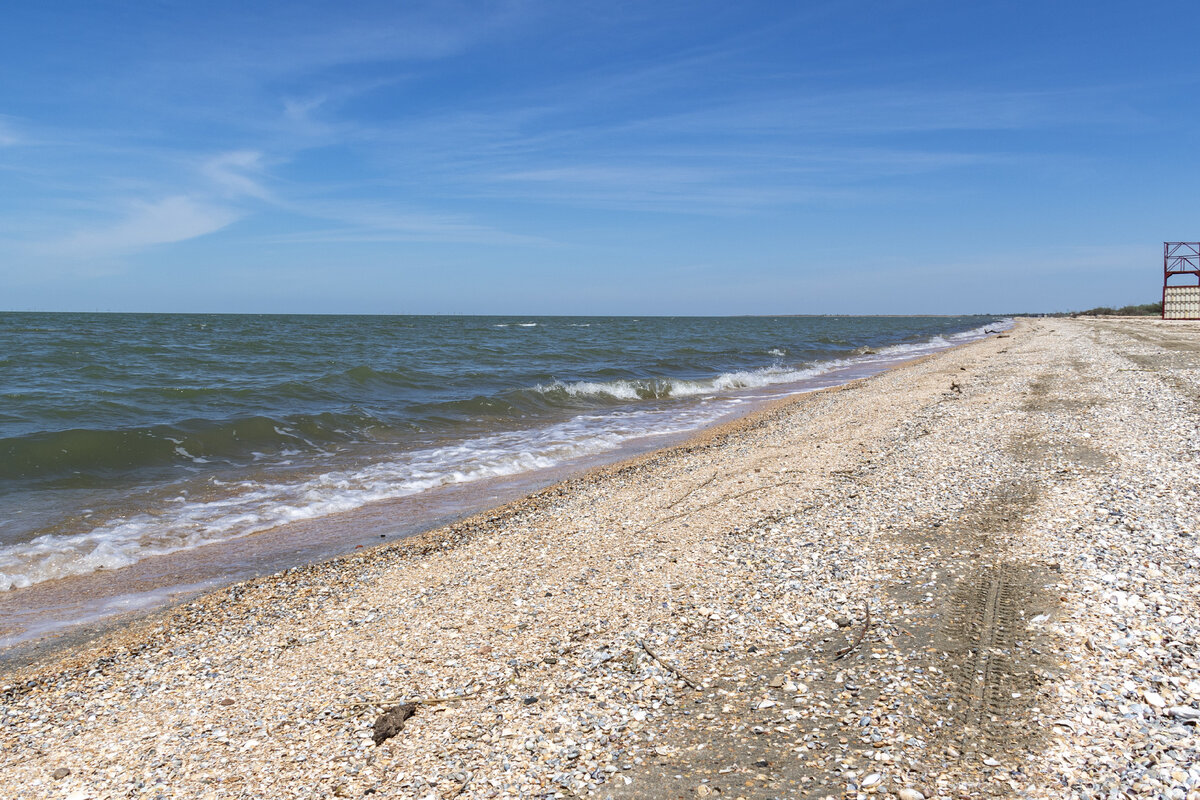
(255, 506)
(678, 387)
(622, 390)
(179, 450)
(646, 388)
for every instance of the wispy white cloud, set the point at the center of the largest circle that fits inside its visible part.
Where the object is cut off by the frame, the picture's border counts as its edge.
(300, 109)
(611, 175)
(875, 112)
(172, 219)
(624, 139)
(310, 118)
(8, 136)
(625, 190)
(606, 140)
(236, 173)
(346, 40)
(248, 52)
(729, 180)
(383, 222)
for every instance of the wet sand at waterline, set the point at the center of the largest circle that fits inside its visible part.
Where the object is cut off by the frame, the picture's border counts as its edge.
(975, 574)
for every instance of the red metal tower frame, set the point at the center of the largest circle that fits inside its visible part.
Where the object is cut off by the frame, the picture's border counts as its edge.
(1181, 258)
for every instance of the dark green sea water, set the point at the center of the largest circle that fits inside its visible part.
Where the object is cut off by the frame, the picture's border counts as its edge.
(126, 436)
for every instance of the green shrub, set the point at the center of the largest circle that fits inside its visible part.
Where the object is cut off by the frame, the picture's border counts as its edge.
(1144, 310)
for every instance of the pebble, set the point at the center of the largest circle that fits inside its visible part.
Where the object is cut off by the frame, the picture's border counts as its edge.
(1185, 713)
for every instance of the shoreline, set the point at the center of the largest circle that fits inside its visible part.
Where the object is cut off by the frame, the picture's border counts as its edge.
(797, 602)
(44, 612)
(118, 629)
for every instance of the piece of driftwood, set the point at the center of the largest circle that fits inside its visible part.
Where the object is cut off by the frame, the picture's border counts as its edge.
(392, 721)
(861, 634)
(420, 701)
(674, 670)
(457, 790)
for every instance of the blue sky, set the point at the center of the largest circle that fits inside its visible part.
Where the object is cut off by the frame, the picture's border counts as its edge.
(594, 158)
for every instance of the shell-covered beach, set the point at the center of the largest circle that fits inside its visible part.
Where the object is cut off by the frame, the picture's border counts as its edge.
(976, 574)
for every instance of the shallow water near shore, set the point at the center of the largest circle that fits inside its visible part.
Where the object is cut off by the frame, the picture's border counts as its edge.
(148, 457)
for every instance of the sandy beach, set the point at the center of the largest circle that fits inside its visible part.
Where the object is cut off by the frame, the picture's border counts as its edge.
(977, 574)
